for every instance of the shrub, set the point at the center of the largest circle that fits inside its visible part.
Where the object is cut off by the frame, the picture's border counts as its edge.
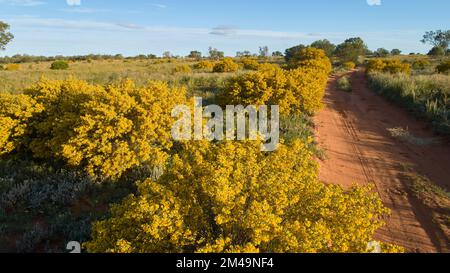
(250, 63)
(12, 67)
(59, 65)
(226, 65)
(297, 90)
(205, 65)
(349, 65)
(437, 51)
(105, 130)
(230, 197)
(443, 67)
(421, 64)
(388, 66)
(15, 113)
(311, 58)
(344, 84)
(184, 68)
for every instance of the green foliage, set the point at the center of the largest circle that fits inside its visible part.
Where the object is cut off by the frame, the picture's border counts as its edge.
(437, 51)
(396, 52)
(59, 65)
(5, 35)
(344, 84)
(215, 54)
(381, 52)
(421, 64)
(293, 51)
(437, 38)
(443, 67)
(326, 46)
(195, 55)
(351, 49)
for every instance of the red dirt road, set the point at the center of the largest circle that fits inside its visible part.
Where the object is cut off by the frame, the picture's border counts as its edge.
(352, 129)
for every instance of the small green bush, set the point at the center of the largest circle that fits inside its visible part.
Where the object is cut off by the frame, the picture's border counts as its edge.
(344, 84)
(421, 64)
(59, 65)
(443, 67)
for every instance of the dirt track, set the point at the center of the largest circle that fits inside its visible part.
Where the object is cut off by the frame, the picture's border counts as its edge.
(352, 129)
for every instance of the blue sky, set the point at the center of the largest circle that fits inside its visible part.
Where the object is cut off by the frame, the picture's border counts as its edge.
(131, 27)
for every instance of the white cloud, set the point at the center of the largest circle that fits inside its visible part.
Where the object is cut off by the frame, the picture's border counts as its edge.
(73, 2)
(374, 2)
(23, 3)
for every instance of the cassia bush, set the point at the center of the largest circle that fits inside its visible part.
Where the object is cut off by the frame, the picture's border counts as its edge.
(297, 90)
(389, 66)
(230, 197)
(104, 129)
(15, 114)
(226, 65)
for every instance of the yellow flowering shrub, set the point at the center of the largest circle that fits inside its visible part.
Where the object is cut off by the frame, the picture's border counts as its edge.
(297, 90)
(421, 64)
(12, 67)
(226, 65)
(104, 129)
(349, 65)
(250, 63)
(388, 66)
(311, 58)
(15, 112)
(204, 65)
(230, 197)
(443, 67)
(184, 68)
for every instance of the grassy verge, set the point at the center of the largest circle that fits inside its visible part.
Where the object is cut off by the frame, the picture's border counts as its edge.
(426, 96)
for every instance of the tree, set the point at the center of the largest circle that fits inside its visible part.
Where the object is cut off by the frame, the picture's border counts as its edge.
(351, 49)
(291, 52)
(325, 45)
(5, 35)
(264, 51)
(195, 55)
(277, 54)
(396, 52)
(437, 51)
(215, 54)
(245, 53)
(437, 38)
(167, 54)
(382, 52)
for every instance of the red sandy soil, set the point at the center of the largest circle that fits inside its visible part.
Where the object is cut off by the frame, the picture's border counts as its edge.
(352, 130)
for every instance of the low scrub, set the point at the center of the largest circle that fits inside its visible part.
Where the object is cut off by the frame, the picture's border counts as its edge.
(388, 66)
(226, 65)
(426, 96)
(344, 84)
(59, 65)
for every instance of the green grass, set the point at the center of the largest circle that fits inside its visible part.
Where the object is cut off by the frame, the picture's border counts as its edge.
(427, 96)
(112, 71)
